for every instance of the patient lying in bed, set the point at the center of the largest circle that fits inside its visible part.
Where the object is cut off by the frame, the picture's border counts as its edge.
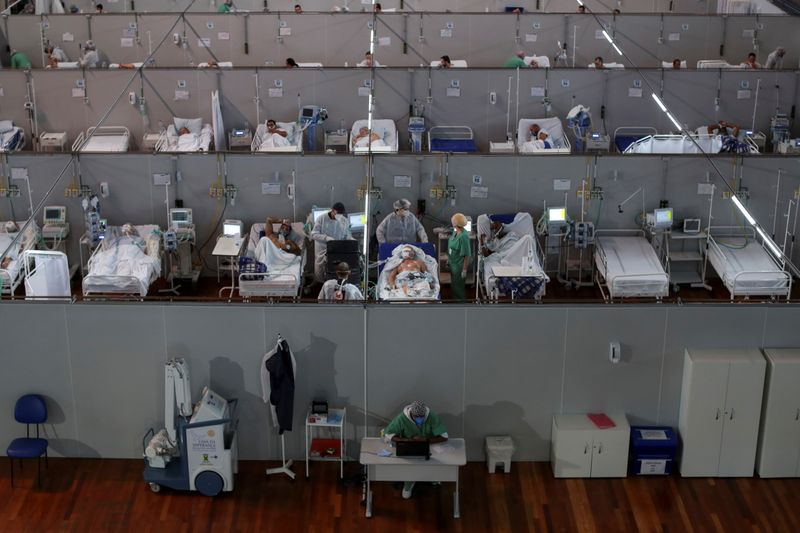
(539, 141)
(408, 275)
(125, 255)
(365, 138)
(275, 137)
(188, 141)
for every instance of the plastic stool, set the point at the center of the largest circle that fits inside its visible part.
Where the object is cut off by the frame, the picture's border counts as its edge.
(499, 451)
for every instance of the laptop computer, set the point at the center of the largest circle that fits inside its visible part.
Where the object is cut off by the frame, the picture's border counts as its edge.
(413, 448)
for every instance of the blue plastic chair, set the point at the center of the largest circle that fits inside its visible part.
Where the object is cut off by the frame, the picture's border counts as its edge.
(30, 409)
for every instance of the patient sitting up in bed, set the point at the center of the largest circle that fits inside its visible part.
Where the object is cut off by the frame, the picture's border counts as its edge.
(729, 135)
(365, 138)
(498, 240)
(275, 137)
(283, 239)
(411, 273)
(539, 140)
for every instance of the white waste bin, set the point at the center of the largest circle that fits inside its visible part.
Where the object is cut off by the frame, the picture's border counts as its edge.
(499, 451)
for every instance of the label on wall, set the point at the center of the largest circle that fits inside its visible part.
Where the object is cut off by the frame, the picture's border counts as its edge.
(363, 91)
(537, 91)
(453, 91)
(78, 92)
(634, 92)
(384, 41)
(285, 32)
(674, 37)
(478, 192)
(181, 95)
(223, 36)
(126, 42)
(402, 182)
(205, 42)
(273, 189)
(743, 94)
(531, 37)
(598, 34)
(2, 92)
(275, 92)
(562, 184)
(67, 37)
(161, 179)
(748, 33)
(445, 34)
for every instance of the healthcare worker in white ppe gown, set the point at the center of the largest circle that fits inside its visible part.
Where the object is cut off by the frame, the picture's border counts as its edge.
(331, 226)
(401, 227)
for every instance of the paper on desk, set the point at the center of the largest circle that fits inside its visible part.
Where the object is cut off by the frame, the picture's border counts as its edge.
(442, 448)
(383, 452)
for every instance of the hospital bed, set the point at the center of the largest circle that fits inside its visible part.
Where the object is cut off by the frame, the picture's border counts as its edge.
(516, 269)
(276, 278)
(668, 64)
(451, 139)
(454, 63)
(199, 139)
(542, 61)
(746, 267)
(683, 144)
(294, 134)
(124, 265)
(387, 251)
(103, 139)
(12, 138)
(716, 63)
(385, 128)
(627, 266)
(46, 274)
(624, 136)
(553, 127)
(67, 65)
(116, 65)
(310, 65)
(221, 64)
(11, 276)
(608, 65)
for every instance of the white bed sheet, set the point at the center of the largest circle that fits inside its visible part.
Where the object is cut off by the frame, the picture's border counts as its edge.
(9, 276)
(632, 267)
(552, 126)
(393, 293)
(675, 144)
(285, 270)
(107, 143)
(766, 277)
(7, 137)
(513, 257)
(293, 134)
(121, 266)
(387, 130)
(188, 142)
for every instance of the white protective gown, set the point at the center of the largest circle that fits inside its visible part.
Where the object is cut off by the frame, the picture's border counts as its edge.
(327, 229)
(349, 291)
(396, 229)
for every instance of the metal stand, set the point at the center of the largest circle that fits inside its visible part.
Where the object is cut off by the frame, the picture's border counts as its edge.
(286, 466)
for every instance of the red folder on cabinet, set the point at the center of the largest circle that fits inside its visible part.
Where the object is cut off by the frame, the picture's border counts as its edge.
(601, 420)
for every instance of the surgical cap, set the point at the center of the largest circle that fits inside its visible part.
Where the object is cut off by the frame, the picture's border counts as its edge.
(545, 132)
(339, 207)
(418, 409)
(89, 45)
(459, 220)
(401, 204)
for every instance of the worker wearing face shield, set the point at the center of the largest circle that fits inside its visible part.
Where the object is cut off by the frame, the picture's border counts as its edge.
(401, 226)
(331, 226)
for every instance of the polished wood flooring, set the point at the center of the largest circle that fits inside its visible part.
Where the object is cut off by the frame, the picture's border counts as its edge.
(109, 495)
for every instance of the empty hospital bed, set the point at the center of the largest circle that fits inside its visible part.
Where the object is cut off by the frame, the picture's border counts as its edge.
(624, 136)
(197, 140)
(12, 138)
(265, 271)
(387, 141)
(451, 139)
(12, 273)
(264, 141)
(627, 266)
(514, 268)
(103, 139)
(683, 144)
(123, 265)
(745, 265)
(555, 131)
(46, 274)
(715, 64)
(415, 286)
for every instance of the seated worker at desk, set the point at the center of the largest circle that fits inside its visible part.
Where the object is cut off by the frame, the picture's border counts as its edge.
(283, 238)
(416, 422)
(339, 289)
(411, 272)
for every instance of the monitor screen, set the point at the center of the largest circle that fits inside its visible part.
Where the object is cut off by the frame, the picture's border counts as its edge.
(232, 228)
(357, 221)
(308, 112)
(557, 214)
(663, 217)
(468, 227)
(317, 211)
(52, 213)
(797, 142)
(179, 216)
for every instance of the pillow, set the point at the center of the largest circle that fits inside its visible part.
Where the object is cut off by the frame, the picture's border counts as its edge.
(194, 125)
(6, 126)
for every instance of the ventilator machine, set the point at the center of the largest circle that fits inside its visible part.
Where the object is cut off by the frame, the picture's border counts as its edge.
(198, 449)
(416, 128)
(309, 117)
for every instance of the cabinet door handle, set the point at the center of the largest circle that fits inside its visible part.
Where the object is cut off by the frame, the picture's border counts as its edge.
(731, 418)
(717, 417)
(585, 448)
(797, 415)
(600, 449)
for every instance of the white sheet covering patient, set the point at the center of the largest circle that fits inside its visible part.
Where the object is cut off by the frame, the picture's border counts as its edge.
(365, 138)
(409, 274)
(276, 137)
(126, 255)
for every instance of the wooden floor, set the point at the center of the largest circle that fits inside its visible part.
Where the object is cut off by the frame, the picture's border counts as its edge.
(109, 495)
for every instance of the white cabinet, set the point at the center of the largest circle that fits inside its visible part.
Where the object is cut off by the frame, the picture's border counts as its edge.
(579, 449)
(720, 412)
(779, 437)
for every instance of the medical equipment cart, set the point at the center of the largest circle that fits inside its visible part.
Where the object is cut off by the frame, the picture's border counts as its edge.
(336, 140)
(331, 447)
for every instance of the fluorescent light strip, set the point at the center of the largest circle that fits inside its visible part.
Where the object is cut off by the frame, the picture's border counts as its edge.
(677, 124)
(768, 241)
(580, 3)
(611, 42)
(740, 207)
(660, 103)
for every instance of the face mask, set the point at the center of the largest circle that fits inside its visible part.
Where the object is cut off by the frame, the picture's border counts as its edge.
(285, 232)
(419, 420)
(406, 254)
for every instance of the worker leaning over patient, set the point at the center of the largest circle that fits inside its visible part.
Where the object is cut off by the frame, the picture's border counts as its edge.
(331, 226)
(401, 227)
(416, 422)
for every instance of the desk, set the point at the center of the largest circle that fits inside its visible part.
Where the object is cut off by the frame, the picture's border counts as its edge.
(442, 466)
(228, 247)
